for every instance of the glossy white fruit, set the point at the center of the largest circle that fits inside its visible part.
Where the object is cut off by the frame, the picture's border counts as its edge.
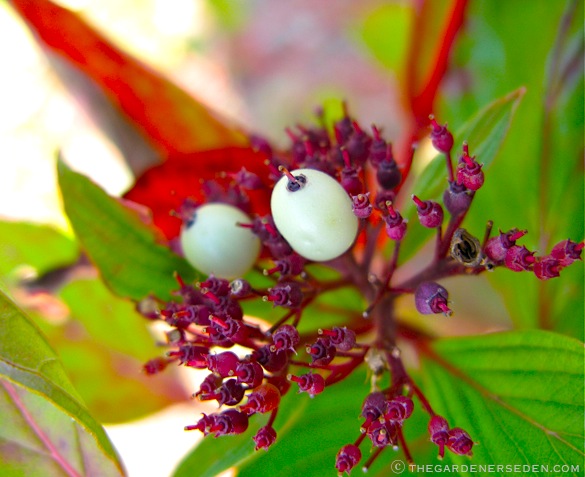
(317, 219)
(214, 244)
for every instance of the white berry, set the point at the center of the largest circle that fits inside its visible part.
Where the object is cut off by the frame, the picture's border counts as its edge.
(314, 214)
(214, 244)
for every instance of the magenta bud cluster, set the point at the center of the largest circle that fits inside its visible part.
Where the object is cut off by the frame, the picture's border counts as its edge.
(455, 439)
(310, 339)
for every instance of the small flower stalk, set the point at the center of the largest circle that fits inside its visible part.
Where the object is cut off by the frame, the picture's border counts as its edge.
(336, 202)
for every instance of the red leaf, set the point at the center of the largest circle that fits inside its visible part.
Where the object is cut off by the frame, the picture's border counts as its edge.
(172, 121)
(163, 188)
(422, 81)
(435, 28)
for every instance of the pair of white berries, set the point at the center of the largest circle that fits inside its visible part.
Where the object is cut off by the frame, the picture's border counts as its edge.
(310, 209)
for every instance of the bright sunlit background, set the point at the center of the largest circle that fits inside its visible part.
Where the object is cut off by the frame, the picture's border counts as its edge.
(38, 117)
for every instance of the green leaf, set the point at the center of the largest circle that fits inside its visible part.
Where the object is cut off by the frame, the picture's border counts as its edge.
(518, 394)
(131, 261)
(19, 245)
(103, 346)
(45, 429)
(213, 456)
(537, 183)
(485, 134)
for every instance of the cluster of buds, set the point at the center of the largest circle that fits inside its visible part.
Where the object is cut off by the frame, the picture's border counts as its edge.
(334, 196)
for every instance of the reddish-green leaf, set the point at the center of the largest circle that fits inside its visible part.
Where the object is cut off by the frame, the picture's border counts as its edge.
(172, 120)
(45, 429)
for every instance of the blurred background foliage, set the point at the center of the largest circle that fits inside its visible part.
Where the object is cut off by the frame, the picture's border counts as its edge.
(264, 66)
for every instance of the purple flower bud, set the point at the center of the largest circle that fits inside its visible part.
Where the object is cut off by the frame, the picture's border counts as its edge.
(430, 213)
(398, 409)
(287, 294)
(250, 373)
(204, 424)
(388, 175)
(343, 128)
(350, 180)
(361, 205)
(383, 434)
(286, 337)
(209, 384)
(218, 286)
(265, 398)
(228, 327)
(290, 265)
(343, 338)
(227, 307)
(439, 432)
(547, 267)
(378, 148)
(469, 171)
(229, 422)
(310, 383)
(191, 355)
(224, 364)
(358, 145)
(229, 393)
(430, 297)
(519, 259)
(395, 224)
(496, 247)
(457, 198)
(459, 442)
(264, 438)
(272, 361)
(200, 314)
(155, 365)
(441, 138)
(347, 458)
(240, 288)
(373, 407)
(567, 251)
(322, 351)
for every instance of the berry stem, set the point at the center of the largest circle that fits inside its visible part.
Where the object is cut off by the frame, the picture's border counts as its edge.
(372, 458)
(438, 244)
(360, 439)
(488, 231)
(421, 397)
(449, 166)
(272, 417)
(372, 233)
(341, 371)
(288, 174)
(388, 273)
(404, 446)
